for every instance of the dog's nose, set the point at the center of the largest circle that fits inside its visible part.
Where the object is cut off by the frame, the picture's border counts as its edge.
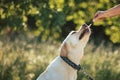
(85, 25)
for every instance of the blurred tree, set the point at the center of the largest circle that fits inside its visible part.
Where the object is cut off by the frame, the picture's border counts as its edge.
(48, 18)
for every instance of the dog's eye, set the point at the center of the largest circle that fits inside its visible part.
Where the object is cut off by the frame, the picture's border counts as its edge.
(73, 32)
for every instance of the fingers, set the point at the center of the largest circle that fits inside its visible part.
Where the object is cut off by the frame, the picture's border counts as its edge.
(96, 15)
(99, 16)
(98, 19)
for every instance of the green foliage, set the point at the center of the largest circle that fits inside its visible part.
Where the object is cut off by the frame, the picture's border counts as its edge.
(47, 18)
(25, 58)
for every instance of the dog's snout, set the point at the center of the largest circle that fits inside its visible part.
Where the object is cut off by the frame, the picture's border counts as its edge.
(85, 25)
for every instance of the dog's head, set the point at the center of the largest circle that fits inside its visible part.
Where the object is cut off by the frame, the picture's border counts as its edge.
(76, 41)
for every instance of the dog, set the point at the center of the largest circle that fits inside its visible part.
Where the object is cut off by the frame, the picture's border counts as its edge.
(72, 48)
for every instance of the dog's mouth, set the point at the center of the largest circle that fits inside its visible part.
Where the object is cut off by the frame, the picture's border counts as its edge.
(85, 29)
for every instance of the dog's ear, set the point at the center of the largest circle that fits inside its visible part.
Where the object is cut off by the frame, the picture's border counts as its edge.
(64, 50)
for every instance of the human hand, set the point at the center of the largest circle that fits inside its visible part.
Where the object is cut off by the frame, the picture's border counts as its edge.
(99, 16)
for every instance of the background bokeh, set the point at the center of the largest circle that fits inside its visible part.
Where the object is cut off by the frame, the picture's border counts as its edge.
(31, 32)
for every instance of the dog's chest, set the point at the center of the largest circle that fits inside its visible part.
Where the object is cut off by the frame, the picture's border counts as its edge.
(62, 70)
(72, 76)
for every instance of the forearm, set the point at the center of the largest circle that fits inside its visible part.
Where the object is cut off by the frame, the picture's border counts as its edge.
(113, 11)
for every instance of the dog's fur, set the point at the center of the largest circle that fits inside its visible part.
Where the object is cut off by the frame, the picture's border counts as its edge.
(72, 48)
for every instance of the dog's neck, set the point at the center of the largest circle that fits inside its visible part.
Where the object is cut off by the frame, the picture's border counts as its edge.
(70, 63)
(75, 56)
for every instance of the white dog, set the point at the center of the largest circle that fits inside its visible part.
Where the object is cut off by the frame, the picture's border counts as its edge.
(64, 67)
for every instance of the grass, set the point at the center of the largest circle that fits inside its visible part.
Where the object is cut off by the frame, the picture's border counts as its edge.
(25, 58)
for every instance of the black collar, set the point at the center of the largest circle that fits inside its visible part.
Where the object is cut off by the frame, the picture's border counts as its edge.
(75, 66)
(70, 63)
